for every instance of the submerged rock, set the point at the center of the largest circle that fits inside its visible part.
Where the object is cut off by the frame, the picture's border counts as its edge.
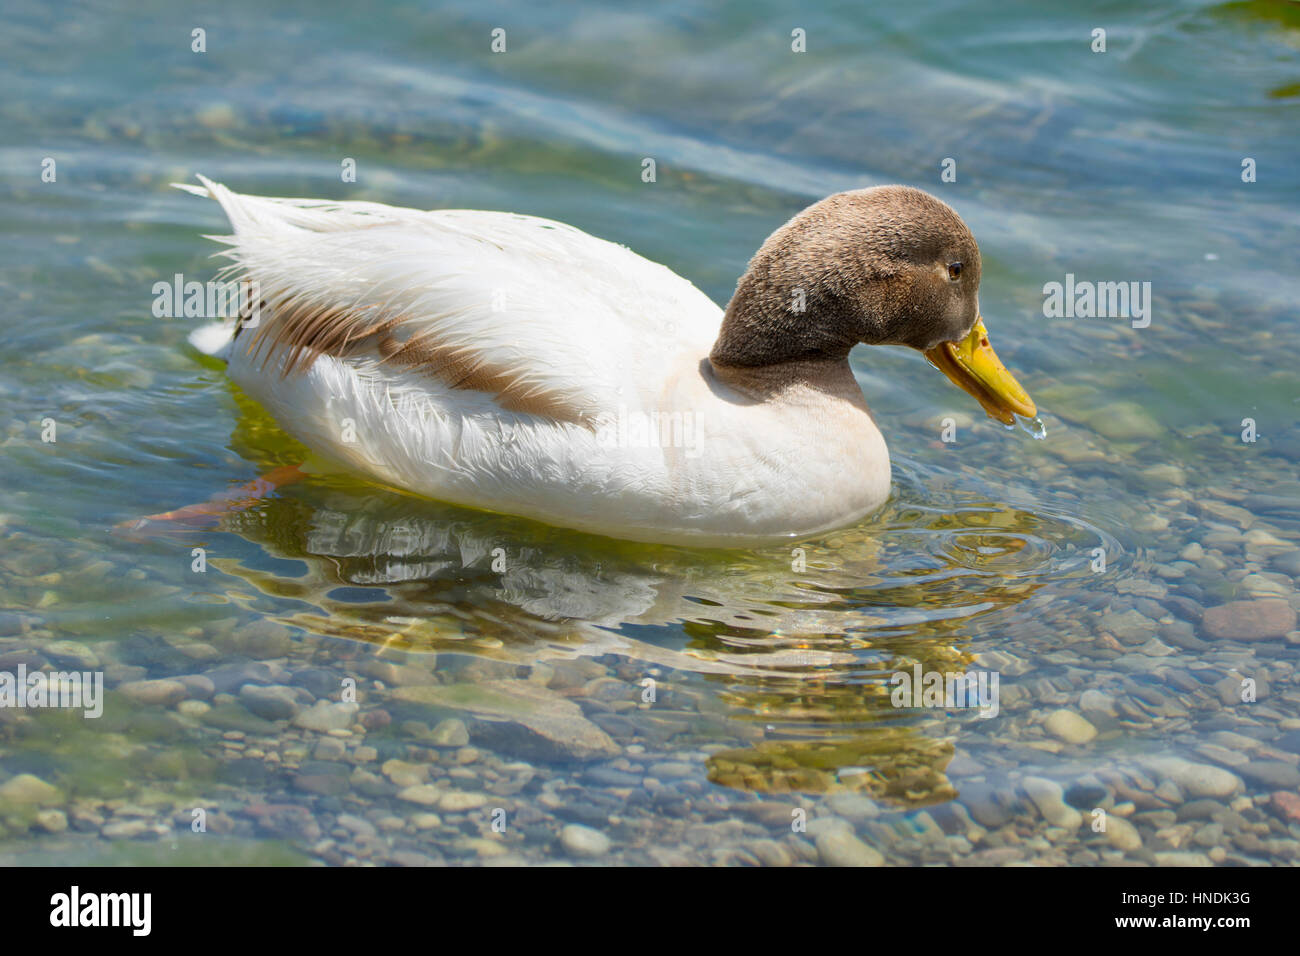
(1197, 779)
(522, 717)
(837, 846)
(449, 733)
(29, 789)
(457, 801)
(52, 821)
(1271, 774)
(424, 794)
(154, 692)
(1071, 727)
(1124, 421)
(1255, 620)
(1049, 798)
(583, 842)
(1122, 835)
(324, 716)
(275, 702)
(323, 777)
(71, 654)
(1286, 806)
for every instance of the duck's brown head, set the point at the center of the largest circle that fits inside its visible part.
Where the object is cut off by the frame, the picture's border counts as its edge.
(891, 265)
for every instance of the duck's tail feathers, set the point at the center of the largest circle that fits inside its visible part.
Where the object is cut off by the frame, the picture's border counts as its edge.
(252, 216)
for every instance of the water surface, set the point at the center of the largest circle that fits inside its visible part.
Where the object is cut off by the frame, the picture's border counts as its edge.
(682, 703)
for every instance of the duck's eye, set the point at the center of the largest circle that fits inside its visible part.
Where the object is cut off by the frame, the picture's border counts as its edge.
(954, 271)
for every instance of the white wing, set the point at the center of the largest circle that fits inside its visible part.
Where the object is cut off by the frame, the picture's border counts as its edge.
(542, 316)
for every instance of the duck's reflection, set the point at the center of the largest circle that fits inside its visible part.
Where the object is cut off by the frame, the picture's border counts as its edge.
(788, 652)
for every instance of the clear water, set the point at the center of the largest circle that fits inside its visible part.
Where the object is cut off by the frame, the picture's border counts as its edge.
(1082, 562)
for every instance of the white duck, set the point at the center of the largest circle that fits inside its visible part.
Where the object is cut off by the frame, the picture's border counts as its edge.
(519, 365)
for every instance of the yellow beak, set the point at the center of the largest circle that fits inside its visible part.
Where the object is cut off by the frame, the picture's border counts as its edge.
(974, 366)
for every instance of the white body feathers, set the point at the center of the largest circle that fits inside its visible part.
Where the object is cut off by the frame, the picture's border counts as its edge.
(604, 414)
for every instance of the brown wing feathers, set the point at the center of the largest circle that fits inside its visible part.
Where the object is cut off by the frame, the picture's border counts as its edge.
(306, 329)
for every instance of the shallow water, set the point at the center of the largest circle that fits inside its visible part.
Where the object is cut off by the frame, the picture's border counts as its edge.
(685, 704)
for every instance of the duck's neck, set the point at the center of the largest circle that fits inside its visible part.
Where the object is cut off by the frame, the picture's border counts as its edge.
(813, 378)
(764, 348)
(763, 330)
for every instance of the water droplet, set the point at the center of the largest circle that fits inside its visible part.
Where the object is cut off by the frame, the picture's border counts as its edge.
(1033, 427)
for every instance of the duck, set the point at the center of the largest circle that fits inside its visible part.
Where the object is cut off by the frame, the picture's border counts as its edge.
(519, 365)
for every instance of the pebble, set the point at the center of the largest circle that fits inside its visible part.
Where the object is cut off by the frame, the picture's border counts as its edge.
(771, 853)
(356, 824)
(672, 770)
(1165, 473)
(273, 702)
(1129, 627)
(52, 821)
(1070, 727)
(985, 807)
(71, 653)
(852, 806)
(1095, 702)
(162, 693)
(198, 687)
(1256, 620)
(1199, 810)
(323, 777)
(1086, 794)
(583, 842)
(522, 718)
(404, 774)
(125, 829)
(319, 681)
(483, 847)
(1124, 421)
(1049, 798)
(1226, 738)
(397, 675)
(1286, 806)
(424, 794)
(231, 677)
(1169, 792)
(330, 748)
(1270, 774)
(324, 716)
(457, 801)
(29, 789)
(263, 639)
(1122, 835)
(226, 716)
(1197, 779)
(837, 846)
